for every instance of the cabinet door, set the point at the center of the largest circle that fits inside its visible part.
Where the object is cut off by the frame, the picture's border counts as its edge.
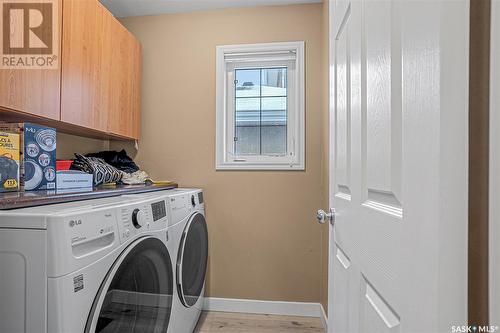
(124, 110)
(86, 63)
(33, 91)
(136, 91)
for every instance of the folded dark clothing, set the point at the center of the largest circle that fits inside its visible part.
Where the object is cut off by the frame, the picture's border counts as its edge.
(118, 159)
(103, 172)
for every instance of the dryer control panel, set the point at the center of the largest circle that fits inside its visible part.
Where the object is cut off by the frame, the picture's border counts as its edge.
(136, 219)
(159, 210)
(184, 204)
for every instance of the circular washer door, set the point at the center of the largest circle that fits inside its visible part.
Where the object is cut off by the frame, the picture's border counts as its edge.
(192, 260)
(136, 296)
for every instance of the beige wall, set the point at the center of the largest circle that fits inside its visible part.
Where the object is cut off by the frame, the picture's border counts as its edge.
(264, 241)
(68, 145)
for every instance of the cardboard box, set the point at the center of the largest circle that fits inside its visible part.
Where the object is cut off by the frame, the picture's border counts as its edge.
(37, 155)
(9, 161)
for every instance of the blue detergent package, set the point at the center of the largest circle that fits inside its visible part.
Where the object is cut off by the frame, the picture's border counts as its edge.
(38, 155)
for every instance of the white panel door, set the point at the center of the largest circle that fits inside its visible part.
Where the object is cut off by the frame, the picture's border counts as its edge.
(398, 159)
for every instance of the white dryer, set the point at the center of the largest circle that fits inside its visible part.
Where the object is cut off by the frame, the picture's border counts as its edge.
(101, 265)
(188, 232)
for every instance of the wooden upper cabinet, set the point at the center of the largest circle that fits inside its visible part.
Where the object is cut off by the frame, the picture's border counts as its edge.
(100, 71)
(33, 91)
(124, 111)
(96, 88)
(86, 62)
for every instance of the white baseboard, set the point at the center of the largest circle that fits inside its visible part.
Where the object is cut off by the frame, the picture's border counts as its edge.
(302, 309)
(324, 318)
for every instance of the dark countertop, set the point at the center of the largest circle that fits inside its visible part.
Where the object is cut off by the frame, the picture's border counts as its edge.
(11, 200)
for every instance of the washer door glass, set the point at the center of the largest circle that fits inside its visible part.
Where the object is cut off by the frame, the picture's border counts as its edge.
(139, 297)
(192, 260)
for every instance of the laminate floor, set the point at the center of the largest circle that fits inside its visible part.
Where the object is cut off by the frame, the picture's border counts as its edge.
(226, 322)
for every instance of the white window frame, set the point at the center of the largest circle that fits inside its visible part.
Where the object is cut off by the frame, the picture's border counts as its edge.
(250, 55)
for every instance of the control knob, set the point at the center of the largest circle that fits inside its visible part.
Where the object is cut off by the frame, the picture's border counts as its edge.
(138, 218)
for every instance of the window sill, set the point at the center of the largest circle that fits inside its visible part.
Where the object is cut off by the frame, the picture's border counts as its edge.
(245, 166)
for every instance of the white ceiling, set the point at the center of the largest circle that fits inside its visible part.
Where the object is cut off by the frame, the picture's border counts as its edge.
(123, 8)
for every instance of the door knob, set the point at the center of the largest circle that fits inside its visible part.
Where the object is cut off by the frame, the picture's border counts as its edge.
(323, 216)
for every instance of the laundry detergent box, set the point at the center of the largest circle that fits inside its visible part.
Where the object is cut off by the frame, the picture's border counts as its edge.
(37, 155)
(9, 161)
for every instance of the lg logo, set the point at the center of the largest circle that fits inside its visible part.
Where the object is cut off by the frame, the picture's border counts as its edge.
(73, 223)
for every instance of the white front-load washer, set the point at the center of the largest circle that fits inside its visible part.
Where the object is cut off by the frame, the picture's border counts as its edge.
(102, 265)
(188, 232)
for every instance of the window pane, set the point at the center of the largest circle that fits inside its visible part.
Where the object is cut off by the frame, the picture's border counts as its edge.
(274, 140)
(248, 140)
(247, 82)
(274, 125)
(274, 82)
(274, 103)
(247, 111)
(261, 111)
(247, 104)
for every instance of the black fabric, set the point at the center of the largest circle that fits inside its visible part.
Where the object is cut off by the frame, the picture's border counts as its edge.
(102, 171)
(118, 159)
